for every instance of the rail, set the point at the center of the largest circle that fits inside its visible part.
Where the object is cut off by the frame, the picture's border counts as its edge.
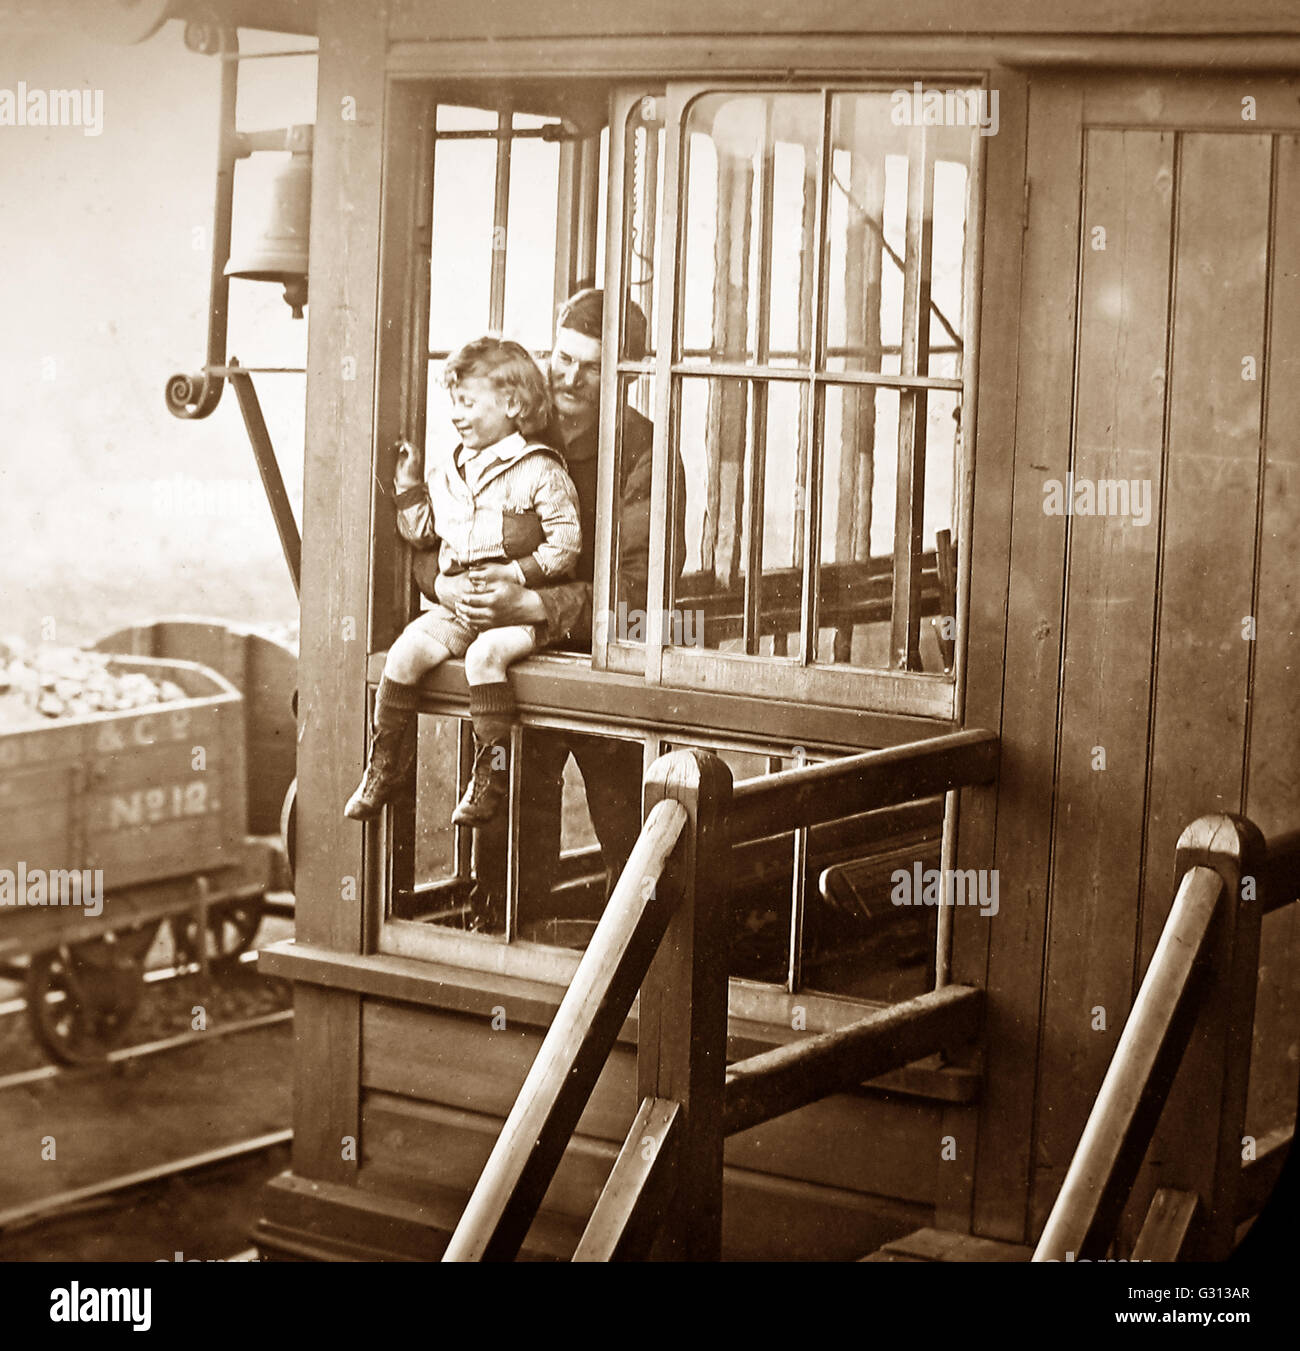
(1187, 1041)
(861, 783)
(664, 934)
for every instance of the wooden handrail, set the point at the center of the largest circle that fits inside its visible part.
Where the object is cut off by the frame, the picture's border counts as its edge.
(1167, 1226)
(1196, 1007)
(577, 1044)
(789, 1077)
(1132, 1094)
(681, 1053)
(625, 1222)
(861, 783)
(665, 932)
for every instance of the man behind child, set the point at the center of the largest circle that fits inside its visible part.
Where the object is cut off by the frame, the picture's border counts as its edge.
(611, 769)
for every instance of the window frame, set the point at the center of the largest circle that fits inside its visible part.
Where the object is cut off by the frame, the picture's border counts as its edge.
(923, 694)
(401, 365)
(507, 954)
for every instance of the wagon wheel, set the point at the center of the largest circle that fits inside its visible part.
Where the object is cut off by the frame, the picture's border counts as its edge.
(231, 928)
(81, 997)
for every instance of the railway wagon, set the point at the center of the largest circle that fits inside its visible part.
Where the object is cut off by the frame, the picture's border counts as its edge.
(115, 823)
(971, 334)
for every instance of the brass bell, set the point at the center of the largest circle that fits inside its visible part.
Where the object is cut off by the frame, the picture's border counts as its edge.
(279, 251)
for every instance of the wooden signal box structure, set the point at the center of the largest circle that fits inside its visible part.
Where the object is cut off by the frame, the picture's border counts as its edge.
(975, 335)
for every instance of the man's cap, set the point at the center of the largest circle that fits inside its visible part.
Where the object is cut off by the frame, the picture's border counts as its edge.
(584, 313)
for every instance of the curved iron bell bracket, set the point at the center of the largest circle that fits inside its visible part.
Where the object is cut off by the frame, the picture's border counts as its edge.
(195, 396)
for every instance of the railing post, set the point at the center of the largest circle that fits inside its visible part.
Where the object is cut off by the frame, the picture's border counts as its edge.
(682, 1041)
(1197, 1146)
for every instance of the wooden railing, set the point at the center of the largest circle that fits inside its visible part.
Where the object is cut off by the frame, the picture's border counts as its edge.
(664, 931)
(1189, 1034)
(848, 593)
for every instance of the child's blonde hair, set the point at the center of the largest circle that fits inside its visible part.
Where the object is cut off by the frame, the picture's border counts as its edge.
(511, 370)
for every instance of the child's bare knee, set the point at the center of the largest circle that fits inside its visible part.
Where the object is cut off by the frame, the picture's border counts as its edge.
(483, 662)
(405, 657)
(412, 655)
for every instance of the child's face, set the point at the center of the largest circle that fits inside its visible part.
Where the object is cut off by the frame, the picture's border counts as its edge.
(481, 413)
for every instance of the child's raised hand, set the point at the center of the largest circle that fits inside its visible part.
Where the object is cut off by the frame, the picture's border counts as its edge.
(410, 466)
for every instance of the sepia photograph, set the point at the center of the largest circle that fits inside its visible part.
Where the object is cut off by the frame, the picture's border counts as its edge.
(660, 633)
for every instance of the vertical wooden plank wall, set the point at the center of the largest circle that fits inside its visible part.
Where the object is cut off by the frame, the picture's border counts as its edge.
(1208, 527)
(1158, 672)
(1273, 764)
(994, 422)
(1208, 522)
(335, 585)
(1273, 772)
(1027, 711)
(1109, 628)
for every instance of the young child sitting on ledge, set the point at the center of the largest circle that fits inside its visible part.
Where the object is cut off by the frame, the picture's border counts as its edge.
(481, 505)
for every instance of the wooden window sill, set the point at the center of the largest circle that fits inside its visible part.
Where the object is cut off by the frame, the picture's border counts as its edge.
(565, 688)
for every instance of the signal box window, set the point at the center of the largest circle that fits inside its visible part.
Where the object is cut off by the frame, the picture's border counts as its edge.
(813, 910)
(809, 319)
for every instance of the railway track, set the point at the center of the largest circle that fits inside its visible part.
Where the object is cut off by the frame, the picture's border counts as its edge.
(115, 1190)
(159, 1183)
(11, 1008)
(143, 1050)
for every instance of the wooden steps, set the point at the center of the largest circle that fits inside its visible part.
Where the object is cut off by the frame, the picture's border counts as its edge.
(938, 1245)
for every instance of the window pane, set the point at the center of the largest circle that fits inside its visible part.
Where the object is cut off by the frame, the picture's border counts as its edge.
(442, 880)
(643, 194)
(453, 117)
(896, 232)
(435, 784)
(856, 940)
(742, 447)
(947, 267)
(602, 202)
(859, 473)
(748, 227)
(576, 808)
(440, 437)
(461, 266)
(866, 435)
(631, 525)
(530, 277)
(579, 816)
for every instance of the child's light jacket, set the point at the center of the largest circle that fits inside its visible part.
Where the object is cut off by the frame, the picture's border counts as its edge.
(469, 497)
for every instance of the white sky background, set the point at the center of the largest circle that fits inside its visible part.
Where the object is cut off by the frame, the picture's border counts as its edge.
(102, 276)
(104, 294)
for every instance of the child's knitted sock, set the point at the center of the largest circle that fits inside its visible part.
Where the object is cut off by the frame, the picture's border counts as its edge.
(394, 704)
(492, 710)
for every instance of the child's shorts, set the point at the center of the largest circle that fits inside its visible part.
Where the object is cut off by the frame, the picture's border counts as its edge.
(443, 626)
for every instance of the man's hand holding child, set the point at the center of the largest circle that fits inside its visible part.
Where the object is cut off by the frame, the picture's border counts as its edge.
(488, 595)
